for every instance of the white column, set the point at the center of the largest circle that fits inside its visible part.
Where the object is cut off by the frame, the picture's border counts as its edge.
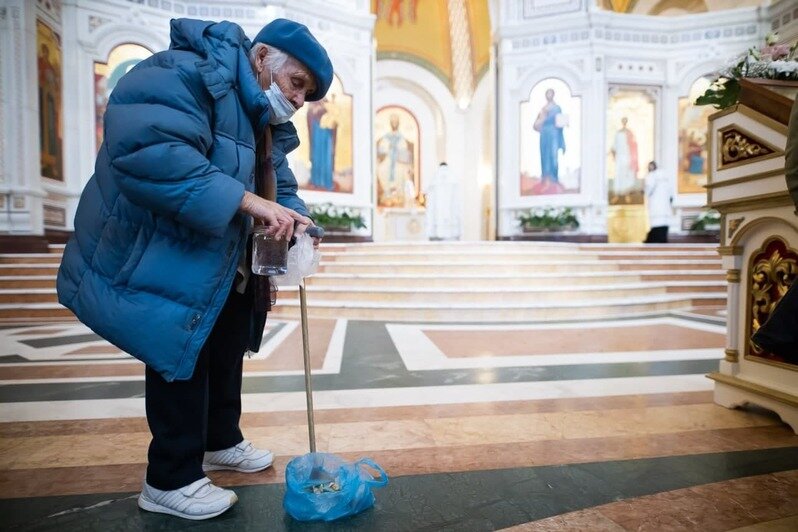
(731, 363)
(20, 182)
(78, 95)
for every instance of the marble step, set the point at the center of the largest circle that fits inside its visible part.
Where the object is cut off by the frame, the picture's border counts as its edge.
(519, 295)
(452, 256)
(516, 267)
(435, 280)
(34, 311)
(542, 311)
(30, 258)
(474, 292)
(28, 295)
(27, 270)
(32, 281)
(514, 243)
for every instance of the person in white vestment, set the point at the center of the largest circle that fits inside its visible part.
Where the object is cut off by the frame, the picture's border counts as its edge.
(659, 197)
(443, 205)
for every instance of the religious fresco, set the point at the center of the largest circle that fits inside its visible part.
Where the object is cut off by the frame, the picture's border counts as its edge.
(107, 75)
(419, 32)
(630, 140)
(693, 124)
(415, 31)
(479, 32)
(398, 177)
(51, 127)
(550, 140)
(323, 160)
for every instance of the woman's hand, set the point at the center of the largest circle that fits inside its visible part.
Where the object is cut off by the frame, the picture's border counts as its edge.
(280, 220)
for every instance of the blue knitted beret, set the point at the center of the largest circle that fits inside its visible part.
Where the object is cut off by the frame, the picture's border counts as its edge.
(296, 40)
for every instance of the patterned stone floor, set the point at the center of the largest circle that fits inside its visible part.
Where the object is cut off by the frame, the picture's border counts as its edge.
(576, 425)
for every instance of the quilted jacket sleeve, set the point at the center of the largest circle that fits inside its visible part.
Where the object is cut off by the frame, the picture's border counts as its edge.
(157, 132)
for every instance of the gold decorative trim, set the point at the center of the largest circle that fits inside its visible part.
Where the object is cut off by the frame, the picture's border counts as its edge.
(711, 170)
(725, 112)
(730, 251)
(739, 147)
(733, 276)
(732, 355)
(745, 179)
(734, 225)
(722, 236)
(760, 360)
(762, 201)
(763, 119)
(747, 228)
(750, 113)
(776, 395)
(768, 279)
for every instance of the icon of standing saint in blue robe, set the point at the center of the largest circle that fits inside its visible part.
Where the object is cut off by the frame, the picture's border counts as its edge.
(552, 139)
(322, 128)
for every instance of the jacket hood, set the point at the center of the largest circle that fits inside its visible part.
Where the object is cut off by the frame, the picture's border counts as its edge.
(225, 65)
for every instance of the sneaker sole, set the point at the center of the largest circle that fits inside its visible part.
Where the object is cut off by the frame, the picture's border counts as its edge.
(150, 506)
(219, 467)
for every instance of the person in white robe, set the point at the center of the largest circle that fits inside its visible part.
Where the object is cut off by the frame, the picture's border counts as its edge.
(443, 205)
(659, 199)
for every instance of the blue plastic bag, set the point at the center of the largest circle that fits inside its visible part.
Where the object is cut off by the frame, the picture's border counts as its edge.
(322, 486)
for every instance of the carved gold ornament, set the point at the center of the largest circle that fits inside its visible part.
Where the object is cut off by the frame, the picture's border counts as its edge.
(738, 147)
(773, 269)
(734, 225)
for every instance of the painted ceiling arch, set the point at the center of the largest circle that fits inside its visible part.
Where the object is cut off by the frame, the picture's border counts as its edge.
(450, 38)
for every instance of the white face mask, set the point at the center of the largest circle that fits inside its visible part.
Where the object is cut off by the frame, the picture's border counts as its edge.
(282, 108)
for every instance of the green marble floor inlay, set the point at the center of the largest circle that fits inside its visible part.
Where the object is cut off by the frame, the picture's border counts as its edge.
(372, 361)
(464, 501)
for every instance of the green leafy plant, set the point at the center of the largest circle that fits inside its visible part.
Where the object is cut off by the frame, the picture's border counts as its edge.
(548, 218)
(332, 217)
(705, 221)
(772, 61)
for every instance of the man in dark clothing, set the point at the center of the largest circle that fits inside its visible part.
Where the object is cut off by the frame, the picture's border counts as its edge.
(157, 264)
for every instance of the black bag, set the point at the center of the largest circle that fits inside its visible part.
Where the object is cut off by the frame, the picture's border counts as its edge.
(779, 335)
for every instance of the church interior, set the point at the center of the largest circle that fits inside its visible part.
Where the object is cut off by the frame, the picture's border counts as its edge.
(548, 245)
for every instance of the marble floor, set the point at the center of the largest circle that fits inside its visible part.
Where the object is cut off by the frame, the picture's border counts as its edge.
(570, 425)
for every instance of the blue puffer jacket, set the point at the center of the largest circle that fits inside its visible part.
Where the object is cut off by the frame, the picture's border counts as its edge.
(158, 234)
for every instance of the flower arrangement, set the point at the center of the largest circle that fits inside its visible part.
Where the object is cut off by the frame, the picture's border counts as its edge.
(706, 221)
(772, 61)
(548, 219)
(335, 218)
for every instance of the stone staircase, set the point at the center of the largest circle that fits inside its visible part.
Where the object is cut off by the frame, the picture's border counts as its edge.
(507, 281)
(477, 281)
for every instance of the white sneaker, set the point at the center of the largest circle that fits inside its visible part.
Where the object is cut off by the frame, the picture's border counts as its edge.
(198, 500)
(243, 457)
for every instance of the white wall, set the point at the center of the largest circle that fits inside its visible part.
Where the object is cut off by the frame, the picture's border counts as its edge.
(90, 29)
(448, 132)
(592, 50)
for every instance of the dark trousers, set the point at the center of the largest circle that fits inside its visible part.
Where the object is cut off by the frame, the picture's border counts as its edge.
(657, 235)
(187, 418)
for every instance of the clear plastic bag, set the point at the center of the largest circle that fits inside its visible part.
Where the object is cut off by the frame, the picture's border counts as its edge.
(323, 487)
(303, 261)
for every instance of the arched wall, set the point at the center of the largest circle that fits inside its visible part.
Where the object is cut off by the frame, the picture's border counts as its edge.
(592, 51)
(92, 29)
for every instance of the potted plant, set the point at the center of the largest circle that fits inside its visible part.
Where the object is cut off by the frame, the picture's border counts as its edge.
(548, 219)
(771, 62)
(337, 219)
(707, 221)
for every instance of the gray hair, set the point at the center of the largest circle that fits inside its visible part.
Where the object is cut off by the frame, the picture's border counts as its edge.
(274, 60)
